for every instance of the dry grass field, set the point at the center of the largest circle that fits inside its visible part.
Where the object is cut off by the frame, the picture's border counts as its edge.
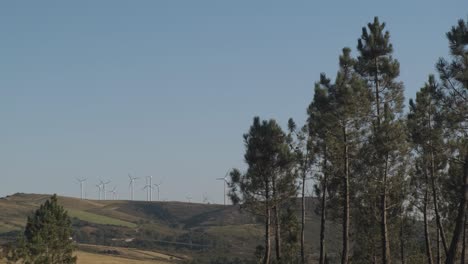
(91, 254)
(88, 258)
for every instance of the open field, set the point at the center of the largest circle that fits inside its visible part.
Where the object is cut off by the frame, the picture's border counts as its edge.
(99, 219)
(117, 255)
(86, 258)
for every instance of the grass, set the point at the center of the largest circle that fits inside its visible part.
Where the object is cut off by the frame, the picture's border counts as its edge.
(99, 219)
(237, 231)
(85, 257)
(87, 253)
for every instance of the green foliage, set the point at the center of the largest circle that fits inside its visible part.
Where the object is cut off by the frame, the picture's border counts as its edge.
(269, 161)
(47, 237)
(453, 99)
(383, 157)
(270, 179)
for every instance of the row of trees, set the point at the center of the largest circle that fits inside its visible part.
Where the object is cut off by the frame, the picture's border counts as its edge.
(381, 172)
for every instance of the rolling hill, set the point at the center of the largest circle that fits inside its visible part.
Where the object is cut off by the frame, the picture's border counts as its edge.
(181, 230)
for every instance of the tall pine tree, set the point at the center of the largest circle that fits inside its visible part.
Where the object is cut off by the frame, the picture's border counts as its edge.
(269, 180)
(377, 66)
(454, 98)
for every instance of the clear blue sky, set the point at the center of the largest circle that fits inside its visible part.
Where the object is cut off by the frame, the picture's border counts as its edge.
(99, 89)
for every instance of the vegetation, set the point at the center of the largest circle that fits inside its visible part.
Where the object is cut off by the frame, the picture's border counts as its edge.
(47, 237)
(269, 181)
(381, 173)
(99, 219)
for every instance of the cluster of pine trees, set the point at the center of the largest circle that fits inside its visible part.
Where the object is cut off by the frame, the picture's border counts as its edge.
(395, 180)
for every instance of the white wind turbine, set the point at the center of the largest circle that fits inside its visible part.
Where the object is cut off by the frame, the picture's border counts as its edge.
(114, 193)
(225, 182)
(205, 198)
(99, 186)
(157, 188)
(132, 184)
(81, 181)
(149, 188)
(104, 187)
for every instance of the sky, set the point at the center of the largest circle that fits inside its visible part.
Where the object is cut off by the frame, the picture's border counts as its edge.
(101, 89)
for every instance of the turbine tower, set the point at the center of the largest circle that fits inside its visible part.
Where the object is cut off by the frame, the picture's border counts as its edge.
(81, 181)
(132, 184)
(149, 188)
(104, 187)
(114, 193)
(99, 186)
(225, 182)
(157, 188)
(205, 198)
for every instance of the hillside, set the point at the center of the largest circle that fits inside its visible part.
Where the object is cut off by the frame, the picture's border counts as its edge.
(181, 230)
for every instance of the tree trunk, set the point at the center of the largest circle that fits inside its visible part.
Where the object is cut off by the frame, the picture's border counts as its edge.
(402, 244)
(436, 207)
(266, 258)
(386, 258)
(426, 225)
(323, 213)
(276, 222)
(277, 234)
(463, 256)
(344, 254)
(303, 218)
(439, 255)
(460, 222)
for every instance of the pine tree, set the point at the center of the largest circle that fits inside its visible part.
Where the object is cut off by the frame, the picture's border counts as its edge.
(425, 127)
(377, 66)
(318, 112)
(338, 121)
(301, 143)
(47, 237)
(269, 180)
(454, 99)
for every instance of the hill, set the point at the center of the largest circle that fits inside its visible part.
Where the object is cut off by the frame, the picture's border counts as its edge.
(181, 230)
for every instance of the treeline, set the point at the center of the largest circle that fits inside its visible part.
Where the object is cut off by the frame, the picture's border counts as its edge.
(384, 174)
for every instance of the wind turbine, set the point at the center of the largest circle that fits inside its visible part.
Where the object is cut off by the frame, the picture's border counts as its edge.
(104, 187)
(81, 181)
(131, 185)
(99, 186)
(189, 198)
(206, 200)
(149, 188)
(225, 182)
(157, 188)
(113, 193)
